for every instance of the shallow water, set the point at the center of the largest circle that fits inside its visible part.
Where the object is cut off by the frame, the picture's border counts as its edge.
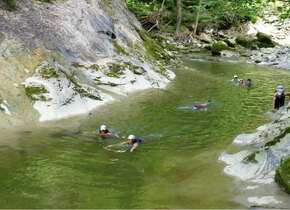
(64, 164)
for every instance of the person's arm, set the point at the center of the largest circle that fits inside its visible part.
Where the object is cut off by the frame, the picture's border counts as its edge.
(119, 144)
(134, 146)
(273, 104)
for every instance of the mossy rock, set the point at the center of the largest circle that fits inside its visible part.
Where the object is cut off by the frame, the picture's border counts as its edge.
(262, 45)
(251, 158)
(47, 72)
(264, 38)
(243, 41)
(218, 47)
(282, 175)
(277, 139)
(36, 93)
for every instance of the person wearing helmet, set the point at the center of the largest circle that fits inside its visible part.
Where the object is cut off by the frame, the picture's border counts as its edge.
(279, 98)
(235, 79)
(132, 140)
(105, 132)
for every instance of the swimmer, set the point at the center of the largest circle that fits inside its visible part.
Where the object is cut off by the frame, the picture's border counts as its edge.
(249, 83)
(105, 132)
(196, 106)
(132, 140)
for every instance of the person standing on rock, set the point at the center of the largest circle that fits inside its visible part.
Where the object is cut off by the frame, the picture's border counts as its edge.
(279, 98)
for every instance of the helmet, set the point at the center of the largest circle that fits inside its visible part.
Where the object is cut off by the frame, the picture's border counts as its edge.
(103, 128)
(131, 137)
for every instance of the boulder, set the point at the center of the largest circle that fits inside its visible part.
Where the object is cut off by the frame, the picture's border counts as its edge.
(218, 47)
(262, 45)
(230, 42)
(205, 38)
(264, 41)
(243, 41)
(264, 38)
(229, 53)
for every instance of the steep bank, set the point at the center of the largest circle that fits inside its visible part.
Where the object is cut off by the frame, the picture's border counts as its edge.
(67, 58)
(254, 168)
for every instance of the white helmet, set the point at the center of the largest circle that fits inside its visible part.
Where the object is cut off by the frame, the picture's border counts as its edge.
(103, 128)
(131, 137)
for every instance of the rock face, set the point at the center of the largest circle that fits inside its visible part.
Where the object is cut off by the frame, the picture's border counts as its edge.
(67, 58)
(255, 167)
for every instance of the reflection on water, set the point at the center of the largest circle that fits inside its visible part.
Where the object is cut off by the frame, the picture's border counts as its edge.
(65, 164)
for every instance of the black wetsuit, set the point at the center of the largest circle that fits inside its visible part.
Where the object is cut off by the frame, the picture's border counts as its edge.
(279, 101)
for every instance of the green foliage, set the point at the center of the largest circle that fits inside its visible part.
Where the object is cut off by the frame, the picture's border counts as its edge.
(225, 13)
(10, 5)
(282, 175)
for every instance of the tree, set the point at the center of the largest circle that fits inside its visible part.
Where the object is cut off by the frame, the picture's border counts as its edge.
(178, 3)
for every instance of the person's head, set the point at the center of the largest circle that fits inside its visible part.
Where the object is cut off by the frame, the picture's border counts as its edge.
(241, 81)
(249, 81)
(280, 93)
(103, 128)
(235, 77)
(131, 139)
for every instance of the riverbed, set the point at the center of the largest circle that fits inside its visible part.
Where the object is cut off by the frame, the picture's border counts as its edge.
(65, 164)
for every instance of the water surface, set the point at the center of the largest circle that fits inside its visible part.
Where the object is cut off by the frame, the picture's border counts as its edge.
(64, 164)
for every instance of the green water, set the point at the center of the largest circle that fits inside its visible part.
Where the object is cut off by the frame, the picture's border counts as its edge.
(64, 164)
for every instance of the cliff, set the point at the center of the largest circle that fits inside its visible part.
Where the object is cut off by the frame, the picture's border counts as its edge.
(69, 57)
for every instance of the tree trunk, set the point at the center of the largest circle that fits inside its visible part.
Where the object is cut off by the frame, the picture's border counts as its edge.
(178, 2)
(197, 18)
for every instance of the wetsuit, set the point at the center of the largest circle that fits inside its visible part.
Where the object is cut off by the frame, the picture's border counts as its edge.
(139, 141)
(279, 101)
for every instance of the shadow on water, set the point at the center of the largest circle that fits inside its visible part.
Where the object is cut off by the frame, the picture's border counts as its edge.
(65, 164)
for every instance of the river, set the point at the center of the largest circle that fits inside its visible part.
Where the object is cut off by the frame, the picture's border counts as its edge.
(64, 164)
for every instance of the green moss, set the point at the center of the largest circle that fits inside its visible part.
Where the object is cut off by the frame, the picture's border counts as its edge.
(78, 65)
(85, 93)
(95, 67)
(264, 38)
(218, 47)
(118, 48)
(251, 158)
(282, 175)
(35, 93)
(277, 138)
(243, 41)
(80, 89)
(47, 72)
(262, 45)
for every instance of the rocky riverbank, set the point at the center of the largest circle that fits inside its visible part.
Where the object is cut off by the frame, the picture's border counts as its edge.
(254, 168)
(262, 43)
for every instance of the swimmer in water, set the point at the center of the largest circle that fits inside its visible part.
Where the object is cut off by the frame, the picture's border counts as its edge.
(105, 132)
(196, 106)
(132, 140)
